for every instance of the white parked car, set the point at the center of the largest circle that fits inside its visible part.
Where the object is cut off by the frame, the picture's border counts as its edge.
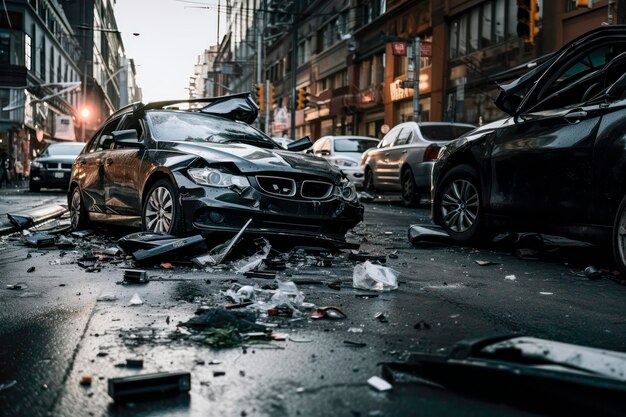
(345, 152)
(282, 141)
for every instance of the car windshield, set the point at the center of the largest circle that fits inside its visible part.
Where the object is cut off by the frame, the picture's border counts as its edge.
(64, 149)
(443, 132)
(197, 127)
(354, 145)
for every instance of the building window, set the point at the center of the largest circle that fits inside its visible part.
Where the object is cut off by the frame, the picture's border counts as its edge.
(5, 47)
(463, 35)
(474, 29)
(499, 21)
(454, 39)
(486, 25)
(27, 51)
(512, 18)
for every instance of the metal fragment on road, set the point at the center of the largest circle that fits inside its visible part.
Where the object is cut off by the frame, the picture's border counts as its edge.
(510, 277)
(379, 384)
(149, 386)
(427, 233)
(135, 300)
(485, 263)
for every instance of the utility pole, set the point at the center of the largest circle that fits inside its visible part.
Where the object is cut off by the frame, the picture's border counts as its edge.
(416, 79)
(294, 66)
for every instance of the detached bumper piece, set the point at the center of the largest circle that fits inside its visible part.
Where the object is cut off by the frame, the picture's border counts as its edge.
(149, 386)
(427, 233)
(188, 245)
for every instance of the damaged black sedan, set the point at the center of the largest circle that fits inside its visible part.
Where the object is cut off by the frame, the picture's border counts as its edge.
(206, 169)
(557, 165)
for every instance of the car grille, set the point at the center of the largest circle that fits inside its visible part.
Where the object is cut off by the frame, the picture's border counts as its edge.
(56, 165)
(287, 187)
(316, 189)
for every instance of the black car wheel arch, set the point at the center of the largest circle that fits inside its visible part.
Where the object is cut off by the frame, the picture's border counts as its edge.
(619, 237)
(161, 209)
(458, 205)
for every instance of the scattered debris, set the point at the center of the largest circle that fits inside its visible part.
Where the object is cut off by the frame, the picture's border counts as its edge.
(85, 379)
(166, 265)
(40, 240)
(221, 318)
(147, 386)
(63, 242)
(421, 325)
(593, 273)
(8, 385)
(134, 363)
(218, 254)
(189, 245)
(527, 254)
(354, 344)
(427, 233)
(381, 317)
(328, 313)
(17, 287)
(31, 269)
(135, 276)
(545, 293)
(379, 384)
(486, 263)
(355, 330)
(375, 277)
(82, 233)
(365, 197)
(366, 256)
(135, 300)
(510, 277)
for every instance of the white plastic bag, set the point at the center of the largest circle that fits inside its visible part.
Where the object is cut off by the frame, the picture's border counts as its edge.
(369, 276)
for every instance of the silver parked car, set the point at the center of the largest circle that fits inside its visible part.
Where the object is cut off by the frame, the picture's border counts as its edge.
(345, 152)
(403, 160)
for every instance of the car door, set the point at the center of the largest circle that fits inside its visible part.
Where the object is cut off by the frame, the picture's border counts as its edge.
(378, 159)
(395, 156)
(91, 166)
(123, 174)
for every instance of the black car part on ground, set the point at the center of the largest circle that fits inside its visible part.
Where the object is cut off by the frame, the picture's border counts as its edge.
(507, 374)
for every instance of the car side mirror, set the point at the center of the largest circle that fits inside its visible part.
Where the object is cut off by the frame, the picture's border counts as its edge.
(127, 138)
(300, 144)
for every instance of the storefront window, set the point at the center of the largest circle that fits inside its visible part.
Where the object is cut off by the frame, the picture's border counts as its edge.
(474, 29)
(486, 25)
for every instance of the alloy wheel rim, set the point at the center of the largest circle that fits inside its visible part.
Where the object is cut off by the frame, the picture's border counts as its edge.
(75, 209)
(459, 205)
(159, 210)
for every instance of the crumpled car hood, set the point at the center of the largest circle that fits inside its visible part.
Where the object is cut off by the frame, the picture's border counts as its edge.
(251, 159)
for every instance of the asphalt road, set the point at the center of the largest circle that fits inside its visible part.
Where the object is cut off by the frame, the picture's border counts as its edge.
(53, 330)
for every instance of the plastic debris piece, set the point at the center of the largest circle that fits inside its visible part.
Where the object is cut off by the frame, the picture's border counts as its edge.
(375, 277)
(147, 386)
(85, 379)
(279, 336)
(188, 245)
(381, 317)
(333, 313)
(354, 344)
(427, 233)
(545, 293)
(40, 240)
(355, 330)
(593, 273)
(82, 233)
(366, 256)
(63, 242)
(485, 263)
(134, 363)
(510, 277)
(299, 340)
(260, 274)
(218, 254)
(31, 269)
(107, 297)
(21, 221)
(135, 300)
(8, 385)
(135, 276)
(365, 197)
(166, 265)
(17, 286)
(379, 383)
(112, 251)
(220, 318)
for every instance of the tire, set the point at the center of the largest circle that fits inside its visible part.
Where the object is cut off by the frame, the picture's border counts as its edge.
(458, 206)
(34, 188)
(161, 210)
(368, 181)
(78, 214)
(409, 197)
(618, 239)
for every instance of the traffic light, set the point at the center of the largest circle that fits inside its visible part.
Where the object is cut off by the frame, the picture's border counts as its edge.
(528, 20)
(301, 99)
(271, 97)
(260, 96)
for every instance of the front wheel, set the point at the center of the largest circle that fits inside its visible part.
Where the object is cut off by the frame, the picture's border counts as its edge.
(619, 238)
(368, 181)
(161, 210)
(409, 196)
(78, 214)
(458, 206)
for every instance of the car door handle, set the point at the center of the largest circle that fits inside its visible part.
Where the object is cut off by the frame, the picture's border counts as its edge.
(109, 161)
(575, 115)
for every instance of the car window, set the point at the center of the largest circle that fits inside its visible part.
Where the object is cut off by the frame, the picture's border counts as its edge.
(197, 127)
(405, 137)
(389, 138)
(443, 132)
(105, 139)
(354, 144)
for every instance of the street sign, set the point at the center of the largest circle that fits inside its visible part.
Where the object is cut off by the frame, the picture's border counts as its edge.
(426, 49)
(399, 48)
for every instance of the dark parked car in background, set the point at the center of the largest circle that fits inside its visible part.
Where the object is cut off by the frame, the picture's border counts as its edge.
(404, 158)
(557, 165)
(207, 170)
(53, 166)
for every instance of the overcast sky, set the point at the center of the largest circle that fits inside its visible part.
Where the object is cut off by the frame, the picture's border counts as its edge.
(171, 36)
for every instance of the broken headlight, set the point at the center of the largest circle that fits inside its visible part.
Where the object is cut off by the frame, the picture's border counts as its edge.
(346, 191)
(216, 178)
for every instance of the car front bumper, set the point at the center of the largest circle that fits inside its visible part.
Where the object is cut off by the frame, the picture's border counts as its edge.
(51, 178)
(354, 174)
(222, 210)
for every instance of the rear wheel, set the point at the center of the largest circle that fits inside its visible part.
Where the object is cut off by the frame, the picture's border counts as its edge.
(619, 238)
(409, 196)
(161, 210)
(458, 206)
(78, 214)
